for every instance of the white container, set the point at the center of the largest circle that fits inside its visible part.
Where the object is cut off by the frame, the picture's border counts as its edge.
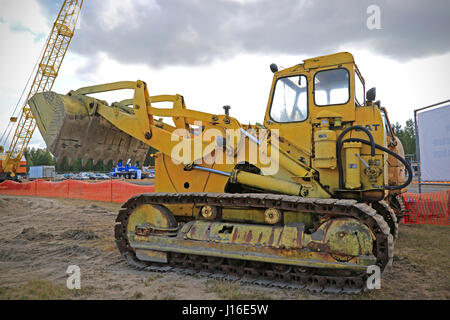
(41, 172)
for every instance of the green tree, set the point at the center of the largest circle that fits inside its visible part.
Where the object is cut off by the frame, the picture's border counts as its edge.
(39, 157)
(76, 166)
(108, 166)
(99, 166)
(149, 158)
(407, 136)
(63, 166)
(89, 165)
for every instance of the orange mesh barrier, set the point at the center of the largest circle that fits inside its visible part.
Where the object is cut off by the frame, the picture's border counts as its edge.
(427, 208)
(122, 191)
(51, 189)
(115, 191)
(100, 191)
(75, 189)
(20, 189)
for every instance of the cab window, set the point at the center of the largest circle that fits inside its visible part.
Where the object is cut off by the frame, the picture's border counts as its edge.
(290, 100)
(387, 129)
(331, 87)
(359, 90)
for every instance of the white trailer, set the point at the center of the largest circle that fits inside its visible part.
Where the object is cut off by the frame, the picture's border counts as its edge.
(42, 172)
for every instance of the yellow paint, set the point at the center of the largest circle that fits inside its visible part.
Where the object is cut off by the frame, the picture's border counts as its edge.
(146, 213)
(352, 165)
(325, 147)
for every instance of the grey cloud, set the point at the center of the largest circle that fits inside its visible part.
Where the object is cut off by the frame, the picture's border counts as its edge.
(196, 32)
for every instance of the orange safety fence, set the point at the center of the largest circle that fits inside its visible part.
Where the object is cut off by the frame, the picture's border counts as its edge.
(114, 191)
(424, 208)
(122, 191)
(427, 208)
(19, 189)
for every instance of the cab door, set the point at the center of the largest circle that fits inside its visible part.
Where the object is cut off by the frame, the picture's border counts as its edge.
(288, 112)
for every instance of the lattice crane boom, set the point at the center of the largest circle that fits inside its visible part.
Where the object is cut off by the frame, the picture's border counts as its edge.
(47, 71)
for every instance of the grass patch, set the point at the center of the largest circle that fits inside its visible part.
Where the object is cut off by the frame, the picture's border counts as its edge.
(42, 290)
(104, 244)
(420, 266)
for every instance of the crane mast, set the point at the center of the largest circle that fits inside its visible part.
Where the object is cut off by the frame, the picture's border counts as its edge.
(47, 71)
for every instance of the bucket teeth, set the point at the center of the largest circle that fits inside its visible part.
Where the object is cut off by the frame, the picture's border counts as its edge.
(69, 131)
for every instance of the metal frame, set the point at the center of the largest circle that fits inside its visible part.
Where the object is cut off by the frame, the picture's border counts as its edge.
(416, 128)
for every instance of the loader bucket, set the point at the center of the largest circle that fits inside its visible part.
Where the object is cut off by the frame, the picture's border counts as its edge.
(70, 131)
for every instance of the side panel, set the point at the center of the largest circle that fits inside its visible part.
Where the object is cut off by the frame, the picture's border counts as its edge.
(370, 118)
(171, 177)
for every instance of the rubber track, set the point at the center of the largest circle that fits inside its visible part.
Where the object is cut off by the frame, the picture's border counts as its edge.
(312, 279)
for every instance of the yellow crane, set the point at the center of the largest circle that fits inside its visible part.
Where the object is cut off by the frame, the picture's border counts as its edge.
(47, 70)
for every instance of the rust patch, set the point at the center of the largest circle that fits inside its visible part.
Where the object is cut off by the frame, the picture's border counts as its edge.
(260, 237)
(279, 239)
(249, 236)
(316, 246)
(271, 238)
(299, 238)
(235, 235)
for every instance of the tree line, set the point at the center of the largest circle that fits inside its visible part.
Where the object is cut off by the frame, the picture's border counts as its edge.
(407, 136)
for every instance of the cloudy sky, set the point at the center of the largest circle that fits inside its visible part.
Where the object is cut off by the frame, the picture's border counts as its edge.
(218, 52)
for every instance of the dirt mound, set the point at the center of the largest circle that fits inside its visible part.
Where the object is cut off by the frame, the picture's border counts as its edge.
(10, 254)
(75, 250)
(31, 234)
(93, 209)
(79, 235)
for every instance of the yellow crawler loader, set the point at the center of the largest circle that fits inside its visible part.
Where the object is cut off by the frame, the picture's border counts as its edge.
(307, 199)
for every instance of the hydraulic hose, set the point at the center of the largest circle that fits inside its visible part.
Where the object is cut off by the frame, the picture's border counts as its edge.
(403, 161)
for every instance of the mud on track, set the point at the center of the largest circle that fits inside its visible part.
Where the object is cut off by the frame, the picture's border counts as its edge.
(41, 237)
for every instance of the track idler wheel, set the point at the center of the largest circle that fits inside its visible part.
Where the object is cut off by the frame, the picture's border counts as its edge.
(281, 268)
(210, 212)
(156, 218)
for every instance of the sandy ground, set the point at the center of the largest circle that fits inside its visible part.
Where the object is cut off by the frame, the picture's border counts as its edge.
(41, 237)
